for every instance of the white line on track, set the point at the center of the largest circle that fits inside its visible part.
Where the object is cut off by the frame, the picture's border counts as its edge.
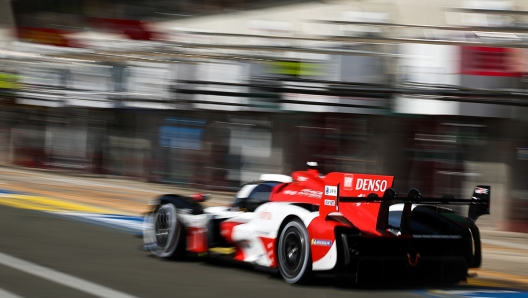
(6, 294)
(60, 278)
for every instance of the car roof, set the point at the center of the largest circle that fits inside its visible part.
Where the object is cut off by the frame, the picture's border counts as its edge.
(247, 188)
(276, 178)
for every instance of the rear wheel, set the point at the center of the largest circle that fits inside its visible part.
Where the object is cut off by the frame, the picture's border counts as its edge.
(475, 251)
(163, 234)
(295, 262)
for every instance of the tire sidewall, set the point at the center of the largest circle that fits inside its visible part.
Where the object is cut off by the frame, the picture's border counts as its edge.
(173, 238)
(306, 253)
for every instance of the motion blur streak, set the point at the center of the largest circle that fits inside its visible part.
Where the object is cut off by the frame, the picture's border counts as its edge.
(111, 103)
(209, 95)
(500, 275)
(46, 204)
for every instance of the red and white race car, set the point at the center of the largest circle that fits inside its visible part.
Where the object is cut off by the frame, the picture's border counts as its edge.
(343, 222)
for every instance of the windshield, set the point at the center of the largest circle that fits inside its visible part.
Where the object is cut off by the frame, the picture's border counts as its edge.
(256, 192)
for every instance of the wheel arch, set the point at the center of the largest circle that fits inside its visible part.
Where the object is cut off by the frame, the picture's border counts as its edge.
(468, 230)
(308, 271)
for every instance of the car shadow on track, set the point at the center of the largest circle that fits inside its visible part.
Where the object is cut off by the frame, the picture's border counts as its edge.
(323, 280)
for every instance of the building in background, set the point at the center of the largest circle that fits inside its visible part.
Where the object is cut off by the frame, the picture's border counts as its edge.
(197, 93)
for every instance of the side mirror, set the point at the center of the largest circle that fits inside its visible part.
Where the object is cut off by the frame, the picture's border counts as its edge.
(200, 197)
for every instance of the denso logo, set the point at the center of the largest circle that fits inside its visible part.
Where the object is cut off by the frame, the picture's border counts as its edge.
(371, 185)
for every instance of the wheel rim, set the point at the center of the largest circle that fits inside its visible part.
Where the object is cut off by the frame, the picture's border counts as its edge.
(165, 225)
(293, 246)
(292, 252)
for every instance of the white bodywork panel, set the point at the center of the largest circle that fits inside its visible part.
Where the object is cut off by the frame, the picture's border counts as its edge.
(399, 207)
(254, 226)
(328, 261)
(276, 177)
(265, 224)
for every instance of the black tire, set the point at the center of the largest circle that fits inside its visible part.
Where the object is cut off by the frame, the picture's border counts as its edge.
(164, 234)
(294, 254)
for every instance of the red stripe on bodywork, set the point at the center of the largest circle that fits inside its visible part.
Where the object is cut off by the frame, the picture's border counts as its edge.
(363, 216)
(196, 239)
(269, 244)
(226, 230)
(321, 230)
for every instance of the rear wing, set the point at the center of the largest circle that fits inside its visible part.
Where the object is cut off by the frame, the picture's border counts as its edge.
(479, 204)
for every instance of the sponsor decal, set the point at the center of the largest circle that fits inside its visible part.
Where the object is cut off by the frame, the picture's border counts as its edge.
(264, 215)
(311, 193)
(262, 233)
(302, 178)
(331, 191)
(480, 190)
(305, 192)
(329, 202)
(321, 242)
(371, 185)
(349, 179)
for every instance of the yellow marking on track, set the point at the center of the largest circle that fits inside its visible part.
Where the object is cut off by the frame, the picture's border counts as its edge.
(484, 283)
(48, 204)
(497, 275)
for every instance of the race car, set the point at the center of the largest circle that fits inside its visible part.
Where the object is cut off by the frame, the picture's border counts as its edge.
(348, 223)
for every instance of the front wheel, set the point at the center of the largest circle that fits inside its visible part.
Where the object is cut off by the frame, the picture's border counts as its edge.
(295, 261)
(163, 233)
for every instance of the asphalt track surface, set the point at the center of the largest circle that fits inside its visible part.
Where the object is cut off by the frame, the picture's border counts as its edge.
(116, 261)
(50, 255)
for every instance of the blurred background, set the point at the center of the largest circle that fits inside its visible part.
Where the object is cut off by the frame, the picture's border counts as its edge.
(209, 94)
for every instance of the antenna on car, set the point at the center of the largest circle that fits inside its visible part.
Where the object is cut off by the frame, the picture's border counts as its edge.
(313, 167)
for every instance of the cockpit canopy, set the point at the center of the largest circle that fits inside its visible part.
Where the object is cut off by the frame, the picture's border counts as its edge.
(254, 194)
